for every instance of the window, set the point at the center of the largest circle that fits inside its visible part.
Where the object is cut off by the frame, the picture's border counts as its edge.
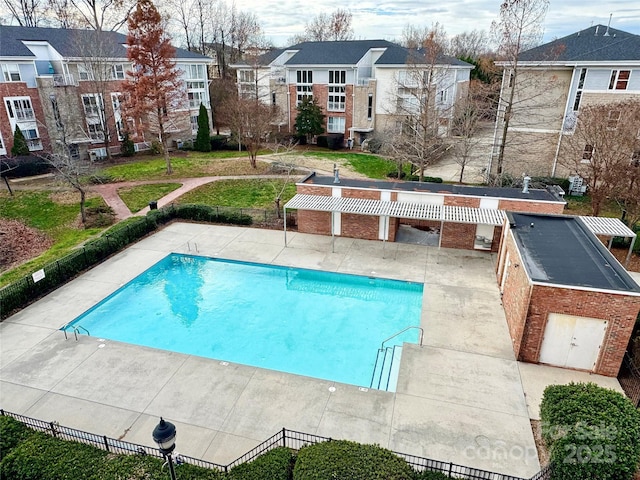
(20, 109)
(512, 79)
(304, 76)
(56, 112)
(619, 79)
(94, 130)
(11, 72)
(587, 154)
(117, 72)
(370, 107)
(117, 115)
(576, 103)
(273, 99)
(337, 76)
(91, 105)
(194, 124)
(303, 92)
(247, 76)
(3, 151)
(197, 85)
(336, 100)
(583, 76)
(442, 96)
(83, 73)
(335, 125)
(613, 119)
(194, 71)
(196, 98)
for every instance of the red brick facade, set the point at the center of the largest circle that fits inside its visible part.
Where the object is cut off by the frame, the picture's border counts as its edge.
(360, 226)
(527, 307)
(530, 206)
(460, 201)
(20, 89)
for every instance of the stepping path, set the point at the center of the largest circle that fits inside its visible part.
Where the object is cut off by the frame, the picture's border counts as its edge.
(109, 191)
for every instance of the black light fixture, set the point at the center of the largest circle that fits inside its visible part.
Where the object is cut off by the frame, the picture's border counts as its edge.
(165, 436)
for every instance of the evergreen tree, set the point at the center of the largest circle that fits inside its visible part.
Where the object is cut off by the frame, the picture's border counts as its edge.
(20, 146)
(127, 148)
(203, 138)
(310, 119)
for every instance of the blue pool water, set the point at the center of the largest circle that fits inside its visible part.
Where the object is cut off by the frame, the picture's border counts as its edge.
(319, 324)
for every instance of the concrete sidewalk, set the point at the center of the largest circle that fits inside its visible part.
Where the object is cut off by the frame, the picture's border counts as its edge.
(459, 397)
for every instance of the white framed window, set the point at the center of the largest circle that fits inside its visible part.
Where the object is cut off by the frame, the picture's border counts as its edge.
(84, 73)
(196, 85)
(336, 99)
(56, 112)
(3, 150)
(95, 132)
(619, 79)
(117, 72)
(247, 76)
(195, 71)
(303, 92)
(20, 109)
(613, 119)
(338, 77)
(92, 104)
(194, 124)
(587, 154)
(442, 96)
(335, 124)
(304, 77)
(196, 98)
(11, 72)
(117, 115)
(370, 107)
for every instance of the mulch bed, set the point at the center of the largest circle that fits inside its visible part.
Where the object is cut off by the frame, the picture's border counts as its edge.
(19, 243)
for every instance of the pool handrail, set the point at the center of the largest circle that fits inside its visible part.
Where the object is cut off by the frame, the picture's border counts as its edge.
(402, 331)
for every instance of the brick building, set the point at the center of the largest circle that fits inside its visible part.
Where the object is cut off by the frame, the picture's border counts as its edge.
(465, 217)
(59, 83)
(362, 86)
(567, 300)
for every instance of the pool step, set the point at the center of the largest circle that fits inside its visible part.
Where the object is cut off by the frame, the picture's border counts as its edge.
(386, 368)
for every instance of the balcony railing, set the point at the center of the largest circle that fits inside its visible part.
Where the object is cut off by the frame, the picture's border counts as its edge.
(25, 114)
(34, 144)
(60, 80)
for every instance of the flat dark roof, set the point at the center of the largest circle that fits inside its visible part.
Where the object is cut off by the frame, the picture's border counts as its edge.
(445, 188)
(560, 249)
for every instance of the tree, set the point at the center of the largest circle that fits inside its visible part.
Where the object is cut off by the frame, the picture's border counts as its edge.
(519, 29)
(26, 12)
(420, 98)
(323, 27)
(473, 44)
(250, 121)
(604, 151)
(203, 137)
(127, 147)
(103, 15)
(20, 146)
(153, 88)
(310, 119)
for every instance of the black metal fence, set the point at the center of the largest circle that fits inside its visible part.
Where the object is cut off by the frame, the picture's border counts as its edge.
(284, 438)
(629, 378)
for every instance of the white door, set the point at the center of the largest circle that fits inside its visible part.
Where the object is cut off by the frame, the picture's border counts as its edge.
(572, 342)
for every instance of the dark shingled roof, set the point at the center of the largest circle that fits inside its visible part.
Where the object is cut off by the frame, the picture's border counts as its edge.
(348, 52)
(587, 46)
(562, 250)
(68, 42)
(513, 193)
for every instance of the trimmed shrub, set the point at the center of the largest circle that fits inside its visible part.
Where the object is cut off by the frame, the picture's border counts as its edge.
(345, 459)
(203, 142)
(25, 166)
(12, 434)
(276, 464)
(427, 475)
(335, 141)
(592, 432)
(127, 147)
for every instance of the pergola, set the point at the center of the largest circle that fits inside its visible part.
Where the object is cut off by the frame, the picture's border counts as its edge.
(387, 209)
(603, 226)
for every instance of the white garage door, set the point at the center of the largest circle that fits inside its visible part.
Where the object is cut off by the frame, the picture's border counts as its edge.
(572, 342)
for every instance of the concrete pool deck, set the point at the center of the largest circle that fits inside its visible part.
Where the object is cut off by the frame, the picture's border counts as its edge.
(460, 398)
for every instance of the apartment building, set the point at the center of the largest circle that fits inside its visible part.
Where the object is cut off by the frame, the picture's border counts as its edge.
(598, 65)
(64, 85)
(362, 86)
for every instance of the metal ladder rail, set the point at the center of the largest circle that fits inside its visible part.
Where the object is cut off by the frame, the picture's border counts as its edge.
(375, 367)
(76, 330)
(402, 331)
(393, 356)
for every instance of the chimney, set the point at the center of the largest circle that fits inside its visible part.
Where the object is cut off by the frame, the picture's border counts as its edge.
(526, 181)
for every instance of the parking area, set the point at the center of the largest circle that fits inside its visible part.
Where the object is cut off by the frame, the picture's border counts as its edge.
(460, 397)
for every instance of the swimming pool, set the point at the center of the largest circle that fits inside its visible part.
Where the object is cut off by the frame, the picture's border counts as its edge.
(314, 323)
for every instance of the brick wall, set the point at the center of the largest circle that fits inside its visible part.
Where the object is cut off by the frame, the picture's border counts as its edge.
(620, 311)
(357, 193)
(313, 190)
(460, 201)
(318, 223)
(458, 235)
(360, 226)
(20, 89)
(531, 207)
(321, 95)
(515, 294)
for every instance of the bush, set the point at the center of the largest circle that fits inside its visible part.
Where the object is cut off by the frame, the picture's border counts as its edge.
(127, 147)
(156, 147)
(344, 459)
(218, 142)
(541, 182)
(433, 179)
(25, 166)
(101, 216)
(12, 434)
(277, 464)
(591, 432)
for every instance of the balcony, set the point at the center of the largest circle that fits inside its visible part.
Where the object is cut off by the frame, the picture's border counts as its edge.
(64, 81)
(34, 144)
(25, 115)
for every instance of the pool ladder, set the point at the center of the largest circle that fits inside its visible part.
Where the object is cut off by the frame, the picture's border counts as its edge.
(76, 330)
(385, 357)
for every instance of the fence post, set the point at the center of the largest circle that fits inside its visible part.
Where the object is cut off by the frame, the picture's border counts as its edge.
(284, 437)
(106, 443)
(450, 468)
(53, 429)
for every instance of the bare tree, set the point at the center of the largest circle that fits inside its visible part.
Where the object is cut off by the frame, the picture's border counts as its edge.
(281, 150)
(27, 13)
(472, 44)
(421, 101)
(336, 26)
(64, 14)
(103, 15)
(604, 150)
(415, 37)
(519, 29)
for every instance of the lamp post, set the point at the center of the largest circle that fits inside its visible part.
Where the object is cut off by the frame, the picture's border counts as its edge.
(165, 436)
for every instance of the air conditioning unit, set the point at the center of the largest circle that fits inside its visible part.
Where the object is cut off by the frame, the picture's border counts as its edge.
(97, 153)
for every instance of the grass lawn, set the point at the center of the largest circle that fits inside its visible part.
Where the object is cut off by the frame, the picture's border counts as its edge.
(240, 193)
(55, 214)
(194, 164)
(582, 206)
(373, 166)
(138, 197)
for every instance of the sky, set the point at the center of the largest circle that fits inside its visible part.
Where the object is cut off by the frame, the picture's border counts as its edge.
(385, 19)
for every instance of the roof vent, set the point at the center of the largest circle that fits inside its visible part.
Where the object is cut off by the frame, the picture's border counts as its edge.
(526, 182)
(606, 34)
(596, 34)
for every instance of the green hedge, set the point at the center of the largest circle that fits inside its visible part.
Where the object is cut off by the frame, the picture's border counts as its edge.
(344, 459)
(592, 432)
(12, 434)
(19, 294)
(276, 464)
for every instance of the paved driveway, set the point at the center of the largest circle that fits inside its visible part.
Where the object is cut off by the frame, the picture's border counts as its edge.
(459, 397)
